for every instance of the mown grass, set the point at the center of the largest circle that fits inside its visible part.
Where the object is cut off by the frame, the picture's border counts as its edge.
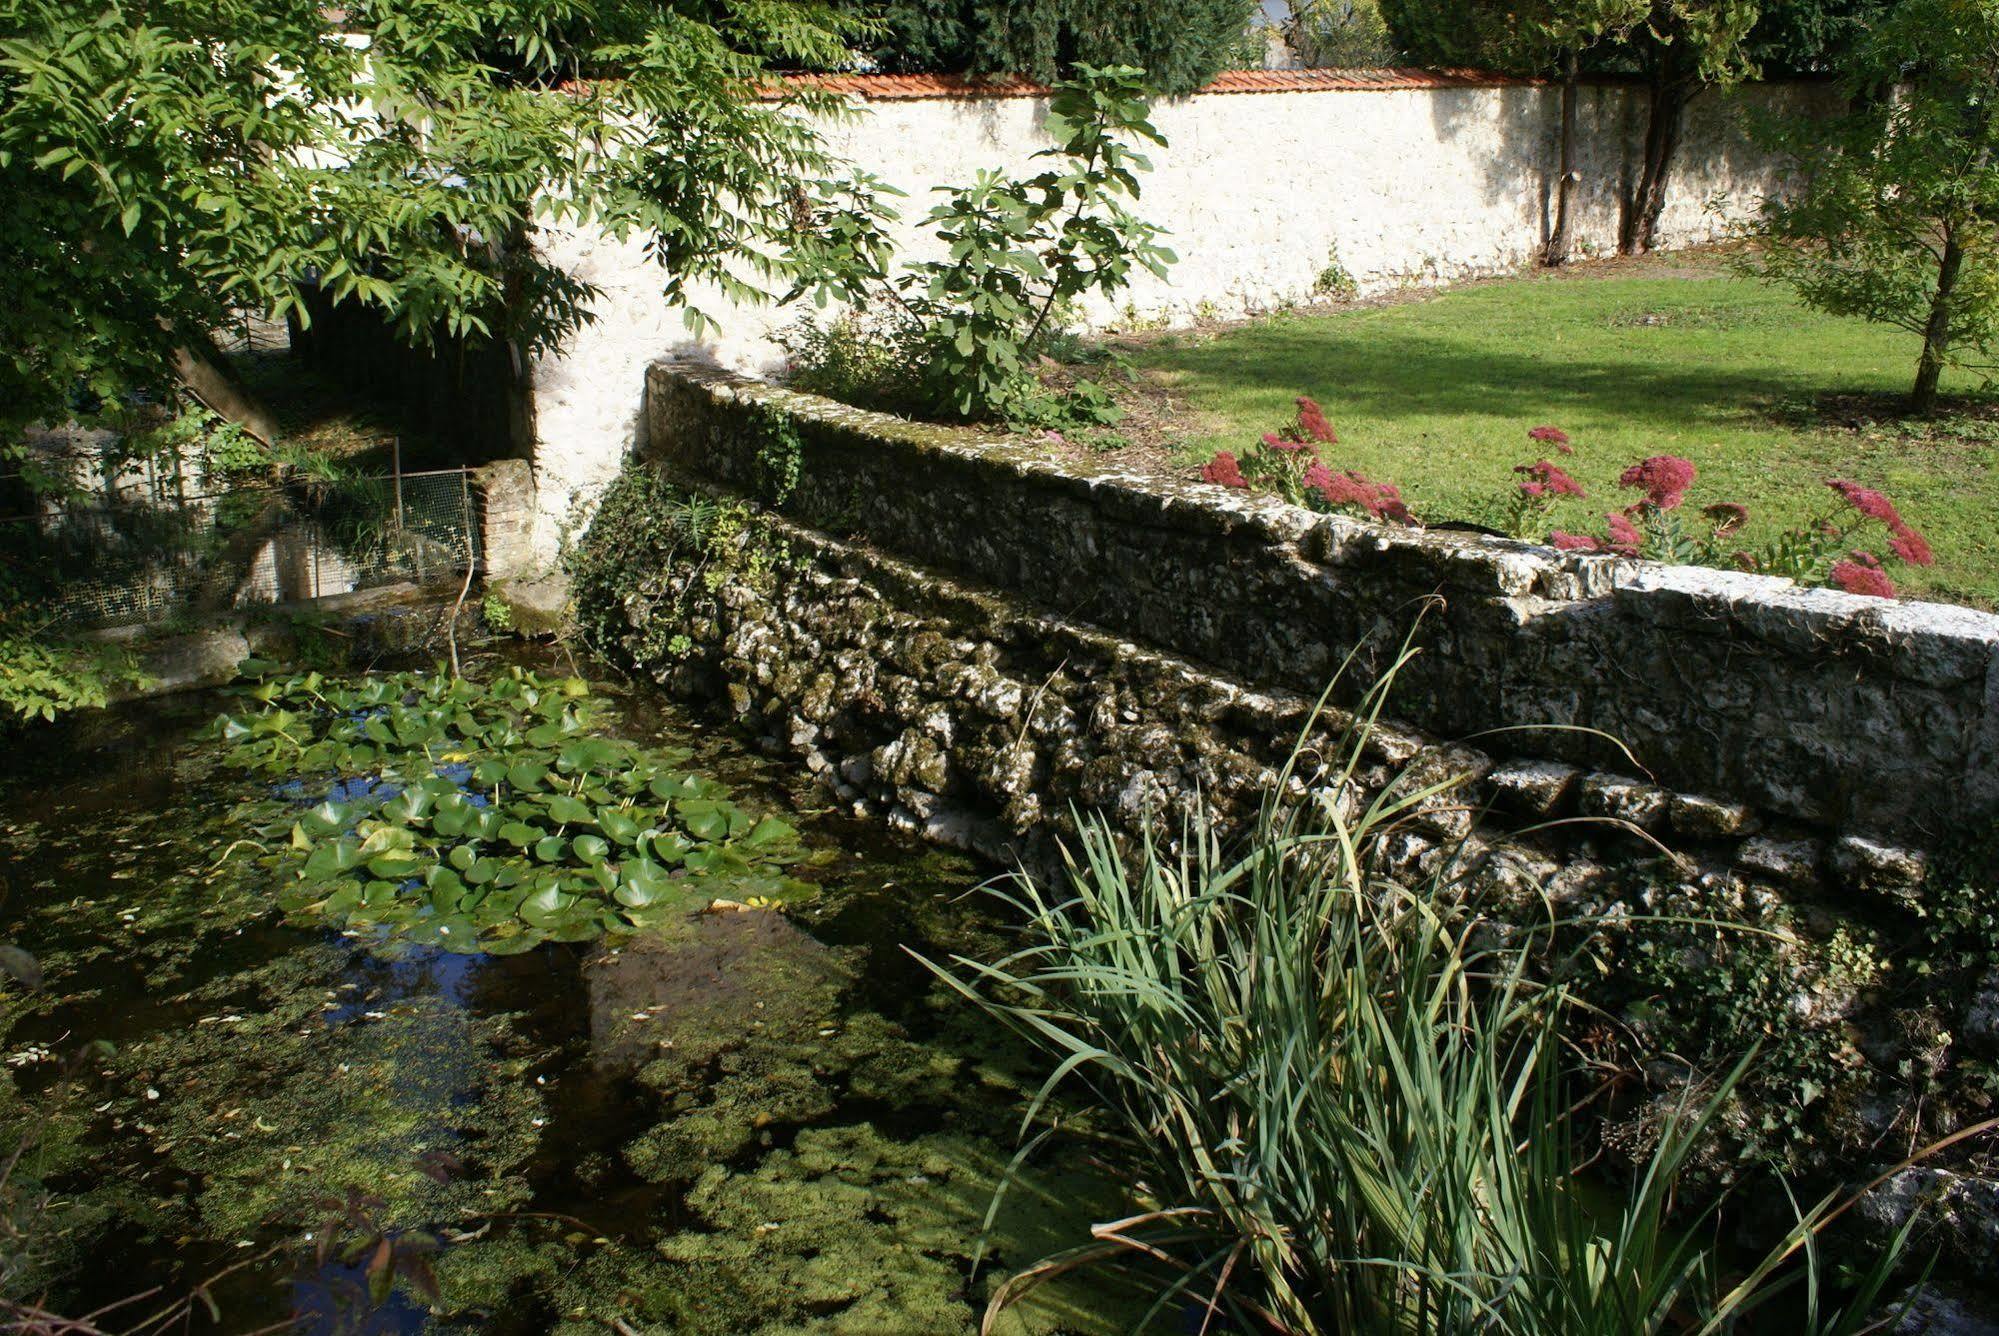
(1631, 360)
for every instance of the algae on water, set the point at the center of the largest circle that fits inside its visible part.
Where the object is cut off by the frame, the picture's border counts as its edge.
(741, 1120)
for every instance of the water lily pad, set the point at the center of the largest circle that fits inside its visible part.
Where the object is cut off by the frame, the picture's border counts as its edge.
(569, 811)
(520, 834)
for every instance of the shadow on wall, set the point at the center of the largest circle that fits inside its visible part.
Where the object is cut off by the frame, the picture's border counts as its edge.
(1522, 158)
(472, 398)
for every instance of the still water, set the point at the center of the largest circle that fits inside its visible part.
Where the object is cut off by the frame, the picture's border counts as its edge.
(740, 1122)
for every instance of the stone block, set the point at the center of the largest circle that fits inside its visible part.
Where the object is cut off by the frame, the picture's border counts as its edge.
(1620, 798)
(1701, 818)
(1793, 863)
(1532, 788)
(1873, 868)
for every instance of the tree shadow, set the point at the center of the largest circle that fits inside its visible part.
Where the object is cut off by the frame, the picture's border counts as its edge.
(1410, 372)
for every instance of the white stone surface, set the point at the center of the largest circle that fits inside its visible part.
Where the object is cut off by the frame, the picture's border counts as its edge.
(1260, 192)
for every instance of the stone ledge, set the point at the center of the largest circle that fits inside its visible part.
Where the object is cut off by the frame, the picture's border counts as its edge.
(1848, 714)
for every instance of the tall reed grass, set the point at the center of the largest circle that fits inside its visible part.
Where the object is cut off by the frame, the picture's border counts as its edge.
(1350, 1102)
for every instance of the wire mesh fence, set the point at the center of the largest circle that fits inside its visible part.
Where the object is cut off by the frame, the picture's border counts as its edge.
(146, 560)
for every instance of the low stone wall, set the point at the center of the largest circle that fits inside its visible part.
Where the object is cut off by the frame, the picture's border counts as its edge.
(973, 641)
(1815, 734)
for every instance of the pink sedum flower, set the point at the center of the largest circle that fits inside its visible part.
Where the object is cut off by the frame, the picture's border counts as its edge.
(1382, 500)
(1312, 421)
(1912, 547)
(1546, 479)
(1574, 542)
(1861, 574)
(1625, 539)
(1663, 478)
(1224, 471)
(1726, 516)
(1869, 502)
(1276, 442)
(1554, 436)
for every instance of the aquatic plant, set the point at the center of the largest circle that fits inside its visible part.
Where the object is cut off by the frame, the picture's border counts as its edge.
(1351, 1100)
(490, 816)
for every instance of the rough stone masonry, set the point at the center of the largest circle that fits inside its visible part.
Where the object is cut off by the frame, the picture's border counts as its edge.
(974, 640)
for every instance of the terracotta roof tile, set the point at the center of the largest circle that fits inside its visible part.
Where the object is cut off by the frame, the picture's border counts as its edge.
(898, 87)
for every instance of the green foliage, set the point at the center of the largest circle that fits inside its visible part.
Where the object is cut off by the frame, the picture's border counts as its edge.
(652, 538)
(1335, 281)
(1960, 903)
(495, 613)
(1711, 974)
(1018, 252)
(1181, 43)
(1807, 37)
(1339, 34)
(490, 817)
(859, 357)
(1892, 221)
(166, 164)
(42, 678)
(1311, 1064)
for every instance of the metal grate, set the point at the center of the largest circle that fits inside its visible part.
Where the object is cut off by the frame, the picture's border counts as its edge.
(145, 560)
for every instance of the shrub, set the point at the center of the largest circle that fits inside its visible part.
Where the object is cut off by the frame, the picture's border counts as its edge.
(957, 337)
(1287, 461)
(42, 678)
(1819, 552)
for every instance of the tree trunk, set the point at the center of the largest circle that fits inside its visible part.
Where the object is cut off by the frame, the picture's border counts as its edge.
(1662, 140)
(1936, 334)
(1562, 242)
(206, 372)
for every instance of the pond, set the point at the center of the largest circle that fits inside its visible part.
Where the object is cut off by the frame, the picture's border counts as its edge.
(766, 1119)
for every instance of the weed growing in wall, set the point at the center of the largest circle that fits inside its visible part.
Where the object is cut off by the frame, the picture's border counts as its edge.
(655, 542)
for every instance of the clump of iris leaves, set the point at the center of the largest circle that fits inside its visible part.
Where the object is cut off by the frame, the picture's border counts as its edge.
(488, 816)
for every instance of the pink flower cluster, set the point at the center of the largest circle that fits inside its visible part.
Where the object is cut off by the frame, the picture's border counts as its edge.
(1288, 462)
(1312, 422)
(1663, 478)
(1544, 479)
(1554, 436)
(1383, 500)
(1860, 572)
(1224, 471)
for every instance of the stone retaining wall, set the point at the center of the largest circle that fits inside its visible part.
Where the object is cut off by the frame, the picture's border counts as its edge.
(1796, 735)
(973, 641)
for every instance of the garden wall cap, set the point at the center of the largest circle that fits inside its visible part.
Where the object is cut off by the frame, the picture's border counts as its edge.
(904, 87)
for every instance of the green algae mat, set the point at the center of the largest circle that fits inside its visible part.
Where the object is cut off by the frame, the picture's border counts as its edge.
(399, 1004)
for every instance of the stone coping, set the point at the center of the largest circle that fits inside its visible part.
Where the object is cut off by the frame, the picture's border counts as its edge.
(1861, 714)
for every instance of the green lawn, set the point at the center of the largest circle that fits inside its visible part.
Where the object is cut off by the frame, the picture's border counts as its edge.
(1437, 395)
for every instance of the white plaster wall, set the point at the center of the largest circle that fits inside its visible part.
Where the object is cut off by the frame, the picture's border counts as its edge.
(1260, 192)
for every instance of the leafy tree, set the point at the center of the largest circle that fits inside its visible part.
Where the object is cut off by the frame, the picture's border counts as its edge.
(1562, 34)
(1810, 37)
(163, 162)
(1181, 44)
(1338, 33)
(1682, 47)
(1897, 217)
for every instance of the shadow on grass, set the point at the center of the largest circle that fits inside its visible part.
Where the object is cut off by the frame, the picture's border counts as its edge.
(1406, 371)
